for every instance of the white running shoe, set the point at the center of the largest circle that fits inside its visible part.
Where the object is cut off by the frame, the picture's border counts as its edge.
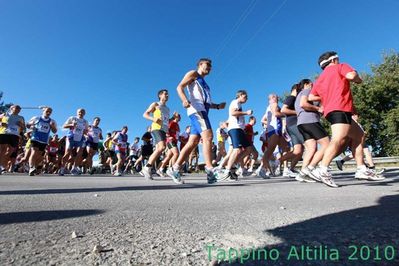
(175, 175)
(161, 173)
(288, 173)
(146, 171)
(313, 174)
(326, 178)
(302, 177)
(368, 174)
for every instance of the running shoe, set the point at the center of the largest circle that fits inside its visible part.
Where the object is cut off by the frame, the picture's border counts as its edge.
(263, 174)
(326, 178)
(161, 173)
(224, 174)
(379, 171)
(312, 174)
(61, 172)
(289, 173)
(211, 176)
(175, 175)
(147, 173)
(75, 171)
(368, 174)
(339, 164)
(32, 171)
(117, 174)
(302, 177)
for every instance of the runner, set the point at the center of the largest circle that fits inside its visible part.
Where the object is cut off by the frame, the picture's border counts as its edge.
(12, 125)
(367, 154)
(183, 139)
(173, 152)
(109, 151)
(53, 159)
(332, 89)
(197, 105)
(77, 126)
(221, 137)
(250, 134)
(146, 150)
(41, 127)
(94, 135)
(272, 119)
(120, 143)
(314, 135)
(291, 128)
(241, 145)
(159, 129)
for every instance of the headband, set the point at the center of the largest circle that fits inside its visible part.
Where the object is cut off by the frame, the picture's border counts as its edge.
(329, 59)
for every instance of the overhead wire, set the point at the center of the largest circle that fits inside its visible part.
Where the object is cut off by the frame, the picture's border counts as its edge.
(234, 29)
(250, 40)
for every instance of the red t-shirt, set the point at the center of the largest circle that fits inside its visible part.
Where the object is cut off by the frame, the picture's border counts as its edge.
(173, 130)
(249, 132)
(334, 89)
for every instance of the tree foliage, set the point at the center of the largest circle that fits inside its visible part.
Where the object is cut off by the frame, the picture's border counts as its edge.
(3, 107)
(377, 102)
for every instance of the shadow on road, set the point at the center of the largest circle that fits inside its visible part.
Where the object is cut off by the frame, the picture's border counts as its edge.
(370, 236)
(39, 216)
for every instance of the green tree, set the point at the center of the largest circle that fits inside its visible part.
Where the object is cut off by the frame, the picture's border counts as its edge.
(377, 102)
(3, 107)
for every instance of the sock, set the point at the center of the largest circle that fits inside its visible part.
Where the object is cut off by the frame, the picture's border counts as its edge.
(323, 169)
(372, 167)
(362, 168)
(148, 165)
(175, 167)
(310, 167)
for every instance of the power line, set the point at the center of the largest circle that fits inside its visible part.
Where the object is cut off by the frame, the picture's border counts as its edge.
(234, 29)
(250, 40)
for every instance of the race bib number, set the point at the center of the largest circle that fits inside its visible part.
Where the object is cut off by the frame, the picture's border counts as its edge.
(43, 127)
(13, 130)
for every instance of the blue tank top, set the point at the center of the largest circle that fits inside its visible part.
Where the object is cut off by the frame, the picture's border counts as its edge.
(41, 131)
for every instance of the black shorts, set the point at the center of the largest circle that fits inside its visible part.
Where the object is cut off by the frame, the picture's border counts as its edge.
(171, 144)
(109, 153)
(312, 131)
(146, 150)
(39, 145)
(339, 117)
(12, 140)
(92, 145)
(158, 136)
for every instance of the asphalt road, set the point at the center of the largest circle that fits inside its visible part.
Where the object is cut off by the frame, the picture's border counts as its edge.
(105, 220)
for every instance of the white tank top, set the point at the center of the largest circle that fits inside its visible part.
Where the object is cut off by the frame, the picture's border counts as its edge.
(271, 120)
(199, 96)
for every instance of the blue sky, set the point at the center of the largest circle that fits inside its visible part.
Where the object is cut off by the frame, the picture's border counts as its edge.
(111, 57)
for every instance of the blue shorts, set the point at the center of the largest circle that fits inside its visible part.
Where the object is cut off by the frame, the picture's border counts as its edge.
(238, 138)
(122, 153)
(70, 144)
(199, 122)
(274, 131)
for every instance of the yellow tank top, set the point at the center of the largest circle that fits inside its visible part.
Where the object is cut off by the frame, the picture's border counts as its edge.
(4, 120)
(157, 114)
(28, 144)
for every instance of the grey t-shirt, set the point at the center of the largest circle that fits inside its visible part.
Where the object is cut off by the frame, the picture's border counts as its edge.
(305, 117)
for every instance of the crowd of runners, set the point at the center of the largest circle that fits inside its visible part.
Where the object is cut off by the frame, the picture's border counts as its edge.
(290, 134)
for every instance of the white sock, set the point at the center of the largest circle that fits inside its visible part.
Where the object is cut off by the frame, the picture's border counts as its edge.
(362, 168)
